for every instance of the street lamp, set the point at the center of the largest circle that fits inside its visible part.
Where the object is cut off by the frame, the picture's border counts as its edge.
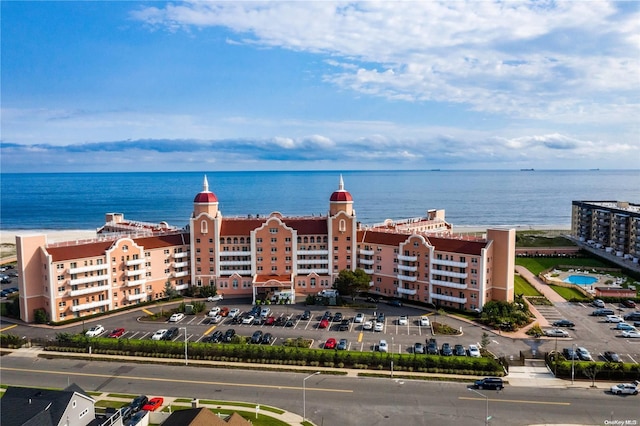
(186, 360)
(573, 361)
(486, 418)
(304, 395)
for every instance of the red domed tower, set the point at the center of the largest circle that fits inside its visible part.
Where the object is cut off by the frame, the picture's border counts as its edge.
(205, 202)
(341, 201)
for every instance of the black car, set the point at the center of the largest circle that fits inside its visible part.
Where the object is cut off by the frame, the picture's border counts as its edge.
(306, 315)
(432, 347)
(458, 350)
(394, 302)
(228, 335)
(289, 323)
(489, 383)
(563, 323)
(344, 325)
(337, 317)
(446, 350)
(629, 303)
(380, 317)
(138, 402)
(280, 321)
(267, 338)
(570, 354)
(216, 337)
(257, 337)
(632, 316)
(255, 310)
(611, 356)
(328, 316)
(126, 412)
(171, 333)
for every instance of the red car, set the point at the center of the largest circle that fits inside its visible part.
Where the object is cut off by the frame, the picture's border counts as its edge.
(324, 323)
(153, 404)
(270, 321)
(117, 333)
(330, 343)
(224, 312)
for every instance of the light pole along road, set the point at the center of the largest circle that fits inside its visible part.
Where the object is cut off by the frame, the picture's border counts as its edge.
(304, 395)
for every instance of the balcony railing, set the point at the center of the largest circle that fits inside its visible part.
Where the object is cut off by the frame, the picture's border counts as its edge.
(449, 284)
(90, 305)
(407, 278)
(136, 282)
(180, 264)
(182, 286)
(408, 291)
(312, 261)
(180, 255)
(366, 261)
(235, 262)
(318, 271)
(449, 263)
(180, 274)
(134, 272)
(449, 273)
(91, 279)
(235, 253)
(407, 268)
(368, 271)
(366, 252)
(301, 252)
(132, 262)
(89, 268)
(407, 258)
(236, 271)
(88, 290)
(139, 296)
(449, 298)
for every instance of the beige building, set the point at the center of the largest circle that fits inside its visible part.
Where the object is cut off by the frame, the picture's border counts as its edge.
(276, 257)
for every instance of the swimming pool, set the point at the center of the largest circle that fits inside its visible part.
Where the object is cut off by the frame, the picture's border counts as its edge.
(581, 279)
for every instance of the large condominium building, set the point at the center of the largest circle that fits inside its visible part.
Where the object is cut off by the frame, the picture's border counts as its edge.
(611, 225)
(272, 257)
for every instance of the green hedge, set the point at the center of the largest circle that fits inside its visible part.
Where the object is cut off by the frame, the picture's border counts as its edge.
(607, 371)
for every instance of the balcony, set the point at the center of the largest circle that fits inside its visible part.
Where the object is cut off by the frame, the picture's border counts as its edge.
(312, 261)
(366, 252)
(407, 258)
(407, 291)
(236, 271)
(368, 271)
(135, 262)
(235, 253)
(407, 268)
(89, 290)
(317, 271)
(180, 264)
(182, 286)
(449, 284)
(407, 278)
(235, 263)
(139, 296)
(366, 261)
(136, 282)
(312, 252)
(92, 279)
(89, 268)
(91, 305)
(370, 283)
(449, 273)
(134, 272)
(449, 298)
(180, 274)
(180, 255)
(449, 263)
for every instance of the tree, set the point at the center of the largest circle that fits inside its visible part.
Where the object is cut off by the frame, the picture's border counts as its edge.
(169, 291)
(484, 341)
(350, 283)
(591, 371)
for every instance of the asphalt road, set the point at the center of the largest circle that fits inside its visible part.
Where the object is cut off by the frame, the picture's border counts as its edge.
(334, 400)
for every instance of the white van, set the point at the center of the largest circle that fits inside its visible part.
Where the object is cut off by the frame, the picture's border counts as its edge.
(328, 293)
(264, 312)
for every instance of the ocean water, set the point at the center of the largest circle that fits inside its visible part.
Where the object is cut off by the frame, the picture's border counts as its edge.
(470, 198)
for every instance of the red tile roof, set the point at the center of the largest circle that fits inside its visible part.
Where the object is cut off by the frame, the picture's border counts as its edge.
(304, 226)
(265, 278)
(453, 245)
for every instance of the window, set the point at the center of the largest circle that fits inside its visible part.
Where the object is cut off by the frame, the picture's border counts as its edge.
(342, 225)
(273, 230)
(258, 240)
(204, 229)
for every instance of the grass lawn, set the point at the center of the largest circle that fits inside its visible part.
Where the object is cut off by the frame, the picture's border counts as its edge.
(568, 293)
(539, 264)
(521, 286)
(107, 403)
(541, 239)
(262, 420)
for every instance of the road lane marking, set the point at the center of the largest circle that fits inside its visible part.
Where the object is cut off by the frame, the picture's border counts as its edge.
(514, 400)
(210, 330)
(360, 336)
(148, 312)
(181, 380)
(8, 328)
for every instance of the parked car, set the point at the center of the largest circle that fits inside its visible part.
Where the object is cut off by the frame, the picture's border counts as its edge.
(330, 343)
(394, 302)
(383, 346)
(569, 354)
(228, 335)
(176, 317)
(337, 317)
(342, 345)
(432, 347)
(324, 323)
(380, 317)
(474, 351)
(458, 350)
(215, 298)
(270, 320)
(234, 312)
(359, 317)
(224, 311)
(598, 303)
(117, 333)
(306, 315)
(556, 332)
(629, 303)
(367, 325)
(446, 350)
(489, 383)
(631, 334)
(256, 337)
(267, 338)
(625, 389)
(613, 318)
(171, 333)
(584, 354)
(424, 321)
(248, 319)
(216, 337)
(563, 323)
(153, 404)
(216, 319)
(632, 316)
(403, 320)
(94, 331)
(138, 402)
(602, 312)
(265, 311)
(158, 335)
(137, 418)
(624, 326)
(327, 315)
(344, 325)
(379, 326)
(418, 348)
(611, 356)
(214, 311)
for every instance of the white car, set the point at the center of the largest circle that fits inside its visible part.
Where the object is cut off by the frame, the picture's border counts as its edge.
(613, 319)
(214, 311)
(359, 317)
(158, 335)
(379, 326)
(216, 319)
(424, 322)
(368, 325)
(383, 346)
(214, 298)
(625, 389)
(248, 319)
(176, 317)
(234, 313)
(403, 320)
(556, 332)
(94, 331)
(474, 351)
(631, 334)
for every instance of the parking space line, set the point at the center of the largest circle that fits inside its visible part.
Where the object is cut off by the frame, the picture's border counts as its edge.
(360, 336)
(8, 328)
(210, 330)
(148, 312)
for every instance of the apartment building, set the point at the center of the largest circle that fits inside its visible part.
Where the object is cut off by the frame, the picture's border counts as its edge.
(274, 257)
(611, 225)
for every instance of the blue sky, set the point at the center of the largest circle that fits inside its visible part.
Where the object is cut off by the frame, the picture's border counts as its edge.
(126, 86)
